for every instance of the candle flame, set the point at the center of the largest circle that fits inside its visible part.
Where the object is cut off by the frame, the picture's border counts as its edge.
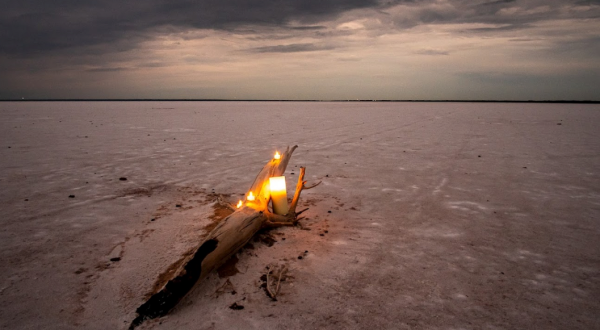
(277, 155)
(239, 204)
(250, 196)
(277, 183)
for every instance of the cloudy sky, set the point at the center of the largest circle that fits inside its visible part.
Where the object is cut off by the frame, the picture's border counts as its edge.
(301, 49)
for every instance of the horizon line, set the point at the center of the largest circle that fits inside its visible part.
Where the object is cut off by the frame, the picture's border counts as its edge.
(287, 100)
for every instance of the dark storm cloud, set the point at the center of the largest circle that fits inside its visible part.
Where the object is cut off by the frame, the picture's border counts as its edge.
(36, 26)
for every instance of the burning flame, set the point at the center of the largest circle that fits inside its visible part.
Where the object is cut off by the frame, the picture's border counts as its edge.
(250, 197)
(239, 204)
(277, 155)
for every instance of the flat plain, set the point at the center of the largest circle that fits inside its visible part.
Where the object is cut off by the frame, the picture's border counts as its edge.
(429, 215)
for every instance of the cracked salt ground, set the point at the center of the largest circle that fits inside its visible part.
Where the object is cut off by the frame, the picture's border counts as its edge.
(519, 251)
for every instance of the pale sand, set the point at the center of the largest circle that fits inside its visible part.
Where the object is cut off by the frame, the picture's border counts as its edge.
(443, 215)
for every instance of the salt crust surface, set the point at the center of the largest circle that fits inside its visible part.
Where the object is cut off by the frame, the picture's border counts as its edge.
(443, 215)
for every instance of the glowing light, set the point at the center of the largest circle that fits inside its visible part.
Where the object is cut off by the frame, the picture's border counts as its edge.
(250, 197)
(279, 195)
(239, 204)
(277, 155)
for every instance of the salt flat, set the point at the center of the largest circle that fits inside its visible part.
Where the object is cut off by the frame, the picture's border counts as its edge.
(430, 215)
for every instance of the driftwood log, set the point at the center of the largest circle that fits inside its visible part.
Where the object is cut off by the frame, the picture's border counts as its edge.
(226, 239)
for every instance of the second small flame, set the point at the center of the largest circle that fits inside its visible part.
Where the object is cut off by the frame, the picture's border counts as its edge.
(239, 204)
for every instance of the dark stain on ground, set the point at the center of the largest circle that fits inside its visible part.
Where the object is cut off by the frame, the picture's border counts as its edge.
(229, 267)
(80, 270)
(220, 212)
(266, 238)
(143, 191)
(235, 306)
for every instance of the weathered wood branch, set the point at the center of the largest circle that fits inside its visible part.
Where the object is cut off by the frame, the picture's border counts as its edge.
(279, 273)
(299, 187)
(225, 239)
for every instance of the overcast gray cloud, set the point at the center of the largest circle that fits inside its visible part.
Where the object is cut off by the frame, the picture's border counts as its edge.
(291, 48)
(33, 27)
(508, 14)
(58, 48)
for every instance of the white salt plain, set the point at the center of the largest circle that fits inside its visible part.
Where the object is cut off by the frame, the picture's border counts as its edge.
(443, 215)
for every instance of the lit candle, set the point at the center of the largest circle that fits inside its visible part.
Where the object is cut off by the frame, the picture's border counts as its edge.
(277, 155)
(239, 204)
(278, 195)
(250, 197)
